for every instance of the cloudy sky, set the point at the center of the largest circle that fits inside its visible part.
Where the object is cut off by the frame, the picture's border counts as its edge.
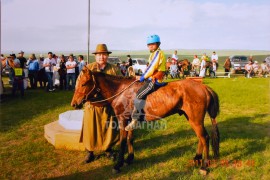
(61, 25)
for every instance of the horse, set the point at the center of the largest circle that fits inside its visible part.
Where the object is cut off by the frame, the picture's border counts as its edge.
(185, 97)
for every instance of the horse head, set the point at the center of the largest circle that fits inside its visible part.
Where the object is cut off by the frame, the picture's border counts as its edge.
(85, 88)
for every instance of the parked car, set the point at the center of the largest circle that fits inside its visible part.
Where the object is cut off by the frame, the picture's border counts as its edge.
(139, 65)
(238, 63)
(267, 60)
(114, 60)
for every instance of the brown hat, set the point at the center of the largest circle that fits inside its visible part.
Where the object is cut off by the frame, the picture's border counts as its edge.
(101, 48)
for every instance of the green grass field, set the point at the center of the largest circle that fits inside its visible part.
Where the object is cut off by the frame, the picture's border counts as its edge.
(244, 124)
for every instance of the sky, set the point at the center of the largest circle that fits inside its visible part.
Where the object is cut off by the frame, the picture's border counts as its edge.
(61, 25)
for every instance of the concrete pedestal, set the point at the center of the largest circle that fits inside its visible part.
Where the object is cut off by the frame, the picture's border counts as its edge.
(65, 133)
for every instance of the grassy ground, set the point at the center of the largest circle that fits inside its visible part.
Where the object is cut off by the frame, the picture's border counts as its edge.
(162, 154)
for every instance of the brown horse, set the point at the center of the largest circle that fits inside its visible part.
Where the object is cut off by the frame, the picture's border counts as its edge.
(186, 97)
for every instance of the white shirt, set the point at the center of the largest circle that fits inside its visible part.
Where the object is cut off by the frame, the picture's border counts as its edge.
(51, 62)
(71, 63)
(174, 56)
(214, 56)
(196, 62)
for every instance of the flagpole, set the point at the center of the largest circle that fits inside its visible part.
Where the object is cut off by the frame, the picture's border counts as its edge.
(88, 38)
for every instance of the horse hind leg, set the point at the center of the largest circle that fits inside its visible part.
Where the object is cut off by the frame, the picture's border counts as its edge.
(203, 146)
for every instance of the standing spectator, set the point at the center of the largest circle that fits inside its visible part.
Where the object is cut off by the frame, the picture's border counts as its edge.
(227, 66)
(33, 68)
(17, 74)
(49, 63)
(214, 58)
(249, 69)
(203, 67)
(56, 76)
(71, 74)
(81, 63)
(196, 65)
(123, 68)
(62, 72)
(22, 59)
(129, 60)
(42, 78)
(175, 56)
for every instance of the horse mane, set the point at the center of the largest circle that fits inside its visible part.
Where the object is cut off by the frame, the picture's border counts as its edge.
(112, 77)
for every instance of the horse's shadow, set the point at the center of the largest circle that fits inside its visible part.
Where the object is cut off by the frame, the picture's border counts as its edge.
(229, 129)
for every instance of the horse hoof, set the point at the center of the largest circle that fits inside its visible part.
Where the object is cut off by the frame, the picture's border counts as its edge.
(127, 163)
(204, 171)
(115, 171)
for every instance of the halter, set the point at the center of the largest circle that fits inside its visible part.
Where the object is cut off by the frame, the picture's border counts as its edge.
(94, 89)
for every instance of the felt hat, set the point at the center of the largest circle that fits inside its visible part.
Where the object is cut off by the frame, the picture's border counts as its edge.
(101, 48)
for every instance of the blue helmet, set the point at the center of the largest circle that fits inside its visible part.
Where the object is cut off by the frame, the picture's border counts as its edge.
(153, 39)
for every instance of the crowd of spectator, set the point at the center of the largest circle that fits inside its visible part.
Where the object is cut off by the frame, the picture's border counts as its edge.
(50, 73)
(62, 71)
(205, 66)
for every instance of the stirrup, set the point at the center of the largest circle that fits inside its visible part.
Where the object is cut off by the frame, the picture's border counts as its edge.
(132, 125)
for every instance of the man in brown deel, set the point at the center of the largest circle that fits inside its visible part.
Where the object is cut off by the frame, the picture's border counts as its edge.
(100, 126)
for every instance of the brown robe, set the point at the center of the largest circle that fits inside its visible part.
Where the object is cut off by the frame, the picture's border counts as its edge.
(100, 126)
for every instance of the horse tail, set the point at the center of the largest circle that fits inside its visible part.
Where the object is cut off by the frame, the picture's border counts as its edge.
(213, 111)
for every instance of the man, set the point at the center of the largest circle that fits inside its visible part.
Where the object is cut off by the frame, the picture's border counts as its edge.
(214, 58)
(175, 56)
(17, 75)
(153, 76)
(81, 63)
(70, 66)
(196, 65)
(98, 131)
(33, 67)
(22, 59)
(49, 64)
(129, 60)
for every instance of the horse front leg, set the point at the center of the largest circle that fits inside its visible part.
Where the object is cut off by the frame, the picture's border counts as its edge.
(123, 143)
(130, 140)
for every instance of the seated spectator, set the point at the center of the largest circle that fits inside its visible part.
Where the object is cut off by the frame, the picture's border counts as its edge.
(212, 69)
(174, 70)
(264, 69)
(130, 72)
(248, 69)
(255, 67)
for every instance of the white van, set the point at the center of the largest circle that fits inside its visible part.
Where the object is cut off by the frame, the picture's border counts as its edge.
(139, 65)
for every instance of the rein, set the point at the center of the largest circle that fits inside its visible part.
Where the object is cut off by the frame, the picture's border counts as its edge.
(115, 94)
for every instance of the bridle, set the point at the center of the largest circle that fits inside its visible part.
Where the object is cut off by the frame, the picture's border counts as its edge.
(95, 90)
